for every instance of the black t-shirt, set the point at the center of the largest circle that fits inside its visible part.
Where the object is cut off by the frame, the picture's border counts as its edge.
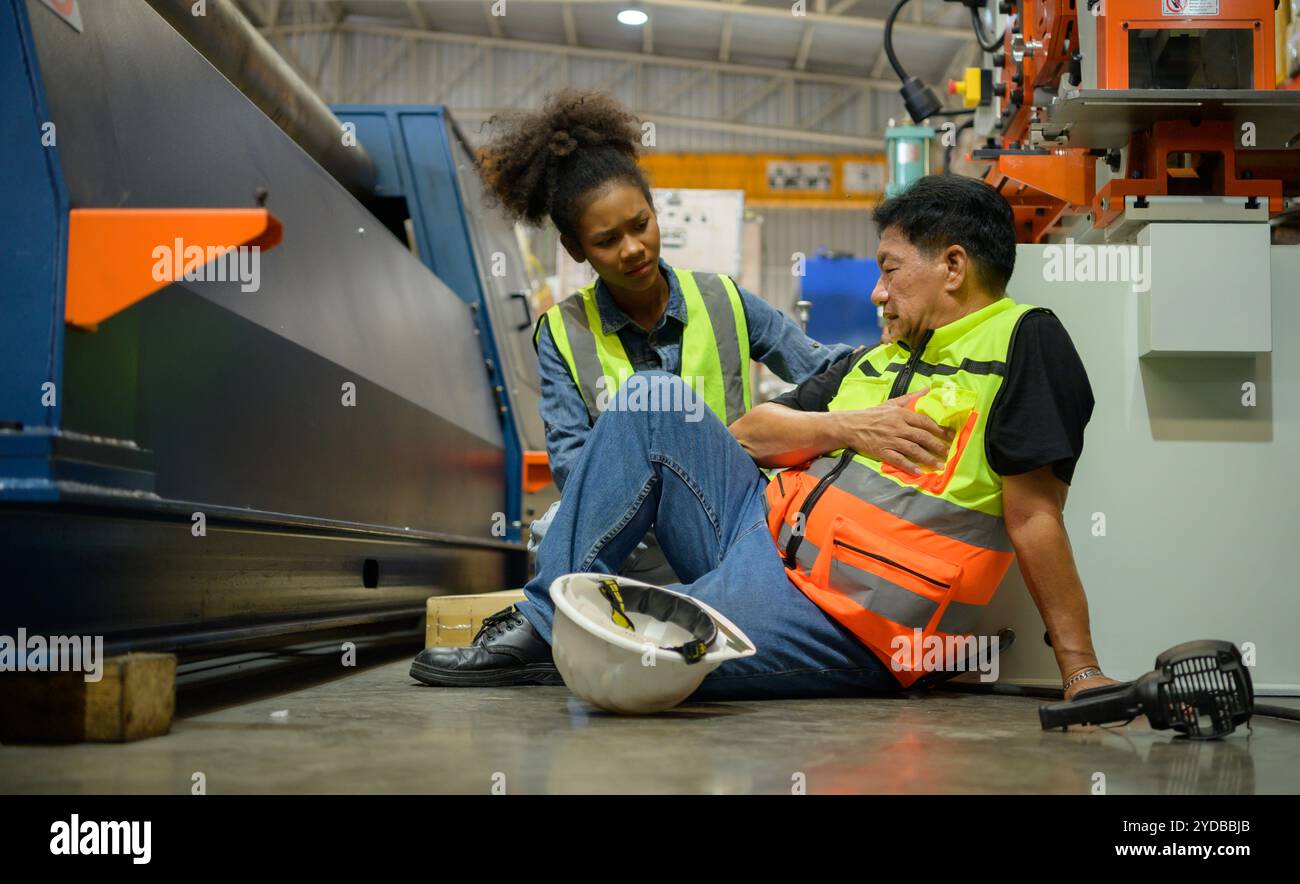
(1038, 416)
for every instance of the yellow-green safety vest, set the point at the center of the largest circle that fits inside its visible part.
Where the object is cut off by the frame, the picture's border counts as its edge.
(971, 353)
(715, 345)
(893, 556)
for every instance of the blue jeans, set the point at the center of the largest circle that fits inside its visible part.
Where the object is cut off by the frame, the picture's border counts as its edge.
(692, 481)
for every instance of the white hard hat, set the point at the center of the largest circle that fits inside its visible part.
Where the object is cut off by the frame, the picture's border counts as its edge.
(630, 647)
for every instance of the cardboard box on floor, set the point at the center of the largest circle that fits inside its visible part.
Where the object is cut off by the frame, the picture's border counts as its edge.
(135, 698)
(452, 620)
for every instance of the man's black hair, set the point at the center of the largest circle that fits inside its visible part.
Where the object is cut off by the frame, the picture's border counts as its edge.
(942, 210)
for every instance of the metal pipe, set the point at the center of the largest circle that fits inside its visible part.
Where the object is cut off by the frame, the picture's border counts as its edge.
(233, 46)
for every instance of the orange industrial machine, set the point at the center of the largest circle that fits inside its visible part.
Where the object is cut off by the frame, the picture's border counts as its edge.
(1089, 109)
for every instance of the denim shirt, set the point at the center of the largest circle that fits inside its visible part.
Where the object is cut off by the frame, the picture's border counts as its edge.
(774, 340)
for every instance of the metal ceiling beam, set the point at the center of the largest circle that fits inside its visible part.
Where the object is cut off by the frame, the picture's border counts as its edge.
(805, 47)
(855, 142)
(781, 13)
(623, 73)
(376, 74)
(417, 14)
(838, 19)
(789, 127)
(444, 87)
(878, 66)
(890, 85)
(493, 25)
(686, 85)
(537, 75)
(570, 26)
(339, 14)
(754, 99)
(830, 107)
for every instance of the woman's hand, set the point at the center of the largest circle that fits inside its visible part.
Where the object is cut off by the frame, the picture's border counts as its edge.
(894, 434)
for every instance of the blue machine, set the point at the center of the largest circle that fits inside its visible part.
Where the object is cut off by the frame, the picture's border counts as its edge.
(425, 166)
(839, 289)
(183, 473)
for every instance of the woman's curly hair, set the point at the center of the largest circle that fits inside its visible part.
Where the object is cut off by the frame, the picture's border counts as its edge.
(551, 162)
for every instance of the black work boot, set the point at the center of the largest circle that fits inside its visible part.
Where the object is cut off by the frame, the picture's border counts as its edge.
(505, 651)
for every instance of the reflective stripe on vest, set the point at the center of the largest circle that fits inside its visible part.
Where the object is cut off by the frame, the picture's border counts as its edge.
(715, 345)
(886, 553)
(875, 593)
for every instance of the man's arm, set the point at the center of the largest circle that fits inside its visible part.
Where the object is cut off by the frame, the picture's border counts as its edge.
(1032, 504)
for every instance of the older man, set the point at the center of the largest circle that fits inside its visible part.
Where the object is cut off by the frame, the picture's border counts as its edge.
(887, 530)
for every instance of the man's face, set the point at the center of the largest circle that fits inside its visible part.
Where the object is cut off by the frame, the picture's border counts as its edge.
(912, 291)
(619, 236)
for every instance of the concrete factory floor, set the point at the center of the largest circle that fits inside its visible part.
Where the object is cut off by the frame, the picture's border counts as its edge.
(375, 730)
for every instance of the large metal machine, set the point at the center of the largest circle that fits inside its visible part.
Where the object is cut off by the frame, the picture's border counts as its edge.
(315, 442)
(1164, 125)
(1093, 115)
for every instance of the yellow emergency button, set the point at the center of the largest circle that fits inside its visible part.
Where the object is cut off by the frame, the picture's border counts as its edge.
(968, 87)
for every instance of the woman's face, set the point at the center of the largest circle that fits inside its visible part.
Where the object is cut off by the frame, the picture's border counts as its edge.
(619, 236)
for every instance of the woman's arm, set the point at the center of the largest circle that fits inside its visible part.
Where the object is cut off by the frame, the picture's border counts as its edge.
(777, 341)
(775, 435)
(563, 412)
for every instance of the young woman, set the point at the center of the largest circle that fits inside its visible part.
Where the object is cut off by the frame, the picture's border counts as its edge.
(574, 162)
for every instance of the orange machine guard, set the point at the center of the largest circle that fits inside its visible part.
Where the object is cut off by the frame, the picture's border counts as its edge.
(117, 257)
(1117, 19)
(537, 471)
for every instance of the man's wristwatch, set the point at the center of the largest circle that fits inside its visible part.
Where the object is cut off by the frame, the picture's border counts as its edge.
(1087, 672)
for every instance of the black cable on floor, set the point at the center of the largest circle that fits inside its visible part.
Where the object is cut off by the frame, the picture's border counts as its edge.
(1012, 690)
(1282, 712)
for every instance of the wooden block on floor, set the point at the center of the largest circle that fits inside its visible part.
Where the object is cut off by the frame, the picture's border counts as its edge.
(135, 699)
(452, 620)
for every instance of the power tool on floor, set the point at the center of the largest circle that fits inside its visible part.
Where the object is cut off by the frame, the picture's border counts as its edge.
(1200, 689)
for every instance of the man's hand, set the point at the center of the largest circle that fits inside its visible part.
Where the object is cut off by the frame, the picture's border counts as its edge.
(776, 436)
(1087, 684)
(895, 434)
